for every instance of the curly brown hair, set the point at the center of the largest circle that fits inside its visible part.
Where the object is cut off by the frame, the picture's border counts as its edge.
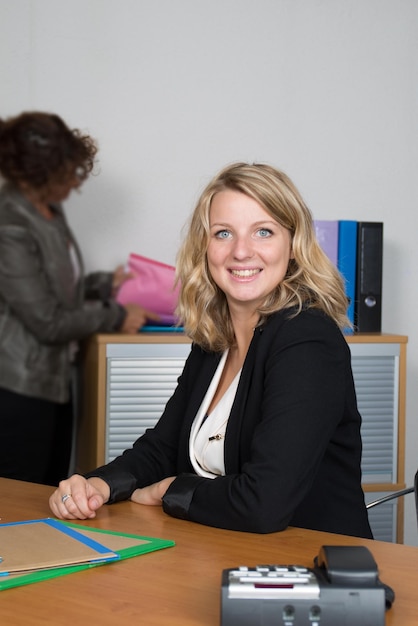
(38, 150)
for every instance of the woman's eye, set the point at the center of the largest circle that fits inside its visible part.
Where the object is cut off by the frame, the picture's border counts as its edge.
(222, 234)
(265, 232)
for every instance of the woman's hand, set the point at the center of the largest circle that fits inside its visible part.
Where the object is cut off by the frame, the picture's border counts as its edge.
(153, 494)
(120, 275)
(78, 498)
(136, 317)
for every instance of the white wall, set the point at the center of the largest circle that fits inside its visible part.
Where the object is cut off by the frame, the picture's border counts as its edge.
(174, 89)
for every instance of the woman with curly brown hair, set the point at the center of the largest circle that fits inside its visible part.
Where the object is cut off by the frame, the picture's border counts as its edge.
(46, 302)
(263, 429)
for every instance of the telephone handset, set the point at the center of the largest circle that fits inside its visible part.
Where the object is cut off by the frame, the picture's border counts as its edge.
(345, 565)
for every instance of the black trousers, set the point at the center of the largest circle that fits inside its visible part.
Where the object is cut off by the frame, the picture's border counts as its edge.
(35, 438)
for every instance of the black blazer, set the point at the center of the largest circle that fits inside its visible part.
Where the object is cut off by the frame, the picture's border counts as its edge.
(292, 444)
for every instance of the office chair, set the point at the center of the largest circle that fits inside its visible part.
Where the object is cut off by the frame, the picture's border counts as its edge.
(398, 494)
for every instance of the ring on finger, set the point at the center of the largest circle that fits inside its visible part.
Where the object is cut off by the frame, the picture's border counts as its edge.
(65, 497)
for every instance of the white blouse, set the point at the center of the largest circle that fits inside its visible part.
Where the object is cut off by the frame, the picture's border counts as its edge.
(206, 443)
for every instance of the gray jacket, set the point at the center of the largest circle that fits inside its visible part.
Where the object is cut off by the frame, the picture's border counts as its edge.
(44, 308)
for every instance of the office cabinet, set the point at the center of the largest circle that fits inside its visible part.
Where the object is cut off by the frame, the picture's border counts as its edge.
(128, 381)
(139, 382)
(379, 369)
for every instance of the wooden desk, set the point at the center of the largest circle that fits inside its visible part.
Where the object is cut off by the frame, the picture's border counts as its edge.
(178, 586)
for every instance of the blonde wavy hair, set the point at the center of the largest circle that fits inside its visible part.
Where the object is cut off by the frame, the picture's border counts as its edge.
(311, 281)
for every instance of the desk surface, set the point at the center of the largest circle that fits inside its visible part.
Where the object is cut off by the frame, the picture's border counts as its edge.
(178, 586)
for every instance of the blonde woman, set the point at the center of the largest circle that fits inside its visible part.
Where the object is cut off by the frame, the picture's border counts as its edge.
(263, 429)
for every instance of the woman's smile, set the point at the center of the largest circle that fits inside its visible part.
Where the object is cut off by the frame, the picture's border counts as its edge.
(244, 273)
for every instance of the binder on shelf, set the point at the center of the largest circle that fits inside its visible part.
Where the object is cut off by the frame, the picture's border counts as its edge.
(327, 236)
(347, 261)
(368, 300)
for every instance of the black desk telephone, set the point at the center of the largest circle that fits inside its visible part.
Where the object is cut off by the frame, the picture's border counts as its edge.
(342, 589)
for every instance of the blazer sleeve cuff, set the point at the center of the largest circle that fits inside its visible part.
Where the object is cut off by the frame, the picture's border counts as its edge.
(122, 484)
(178, 497)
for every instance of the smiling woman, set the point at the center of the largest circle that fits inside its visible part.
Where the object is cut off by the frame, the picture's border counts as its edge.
(278, 211)
(263, 429)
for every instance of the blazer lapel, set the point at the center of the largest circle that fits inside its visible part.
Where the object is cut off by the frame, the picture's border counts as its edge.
(237, 418)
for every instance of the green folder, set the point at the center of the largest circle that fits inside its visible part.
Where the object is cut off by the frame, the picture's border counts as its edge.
(109, 545)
